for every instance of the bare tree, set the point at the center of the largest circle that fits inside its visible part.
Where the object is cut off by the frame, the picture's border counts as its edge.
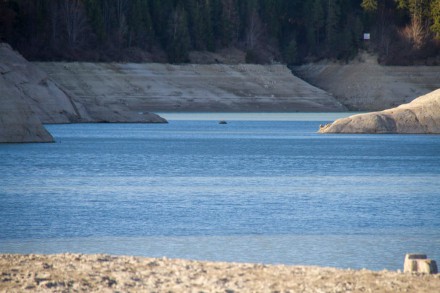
(231, 18)
(415, 32)
(75, 22)
(122, 28)
(54, 23)
(254, 31)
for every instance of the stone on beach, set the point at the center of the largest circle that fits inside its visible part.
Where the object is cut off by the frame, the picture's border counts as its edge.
(419, 263)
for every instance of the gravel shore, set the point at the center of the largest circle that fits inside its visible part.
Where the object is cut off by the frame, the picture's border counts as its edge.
(105, 273)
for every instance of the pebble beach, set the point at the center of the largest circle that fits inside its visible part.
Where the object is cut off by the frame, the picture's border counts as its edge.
(106, 273)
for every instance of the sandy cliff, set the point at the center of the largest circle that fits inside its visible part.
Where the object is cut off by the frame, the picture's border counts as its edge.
(422, 115)
(192, 87)
(364, 85)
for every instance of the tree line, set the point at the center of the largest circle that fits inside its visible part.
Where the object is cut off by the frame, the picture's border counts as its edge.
(289, 31)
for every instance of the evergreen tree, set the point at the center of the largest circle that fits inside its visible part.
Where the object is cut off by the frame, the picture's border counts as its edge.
(332, 27)
(314, 28)
(435, 16)
(317, 21)
(178, 44)
(291, 52)
(96, 20)
(369, 5)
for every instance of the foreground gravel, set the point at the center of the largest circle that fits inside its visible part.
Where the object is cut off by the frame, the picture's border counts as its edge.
(104, 273)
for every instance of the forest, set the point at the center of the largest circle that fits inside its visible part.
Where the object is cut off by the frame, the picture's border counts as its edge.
(402, 32)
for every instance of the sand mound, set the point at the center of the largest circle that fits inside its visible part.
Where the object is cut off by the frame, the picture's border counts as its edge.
(420, 116)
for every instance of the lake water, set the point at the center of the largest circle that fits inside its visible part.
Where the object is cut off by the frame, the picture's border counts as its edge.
(263, 188)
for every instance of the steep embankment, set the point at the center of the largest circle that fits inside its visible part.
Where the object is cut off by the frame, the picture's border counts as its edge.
(28, 98)
(46, 100)
(18, 123)
(365, 85)
(420, 116)
(164, 87)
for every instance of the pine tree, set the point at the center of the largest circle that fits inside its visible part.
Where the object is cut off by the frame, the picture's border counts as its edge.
(369, 5)
(332, 28)
(317, 20)
(435, 16)
(178, 43)
(95, 17)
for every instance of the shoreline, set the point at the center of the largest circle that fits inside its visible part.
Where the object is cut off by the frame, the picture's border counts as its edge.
(100, 272)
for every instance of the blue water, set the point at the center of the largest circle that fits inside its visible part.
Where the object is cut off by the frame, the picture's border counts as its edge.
(248, 191)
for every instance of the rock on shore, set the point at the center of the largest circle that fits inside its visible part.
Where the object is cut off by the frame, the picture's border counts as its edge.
(104, 273)
(422, 115)
(190, 87)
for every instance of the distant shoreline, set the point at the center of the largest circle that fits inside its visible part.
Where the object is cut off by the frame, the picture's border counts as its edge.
(256, 116)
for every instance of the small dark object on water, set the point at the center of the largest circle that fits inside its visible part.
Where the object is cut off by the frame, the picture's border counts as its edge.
(222, 122)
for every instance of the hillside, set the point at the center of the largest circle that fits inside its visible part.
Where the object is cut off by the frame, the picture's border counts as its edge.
(365, 85)
(403, 32)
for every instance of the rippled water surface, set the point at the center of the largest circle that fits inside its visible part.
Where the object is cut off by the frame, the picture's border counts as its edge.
(268, 191)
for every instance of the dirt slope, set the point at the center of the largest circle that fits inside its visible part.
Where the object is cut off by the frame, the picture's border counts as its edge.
(364, 85)
(164, 87)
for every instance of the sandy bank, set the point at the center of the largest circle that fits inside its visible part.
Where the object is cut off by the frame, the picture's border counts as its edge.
(103, 273)
(188, 88)
(365, 85)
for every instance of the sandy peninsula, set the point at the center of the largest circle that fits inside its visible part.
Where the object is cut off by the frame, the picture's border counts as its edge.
(105, 273)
